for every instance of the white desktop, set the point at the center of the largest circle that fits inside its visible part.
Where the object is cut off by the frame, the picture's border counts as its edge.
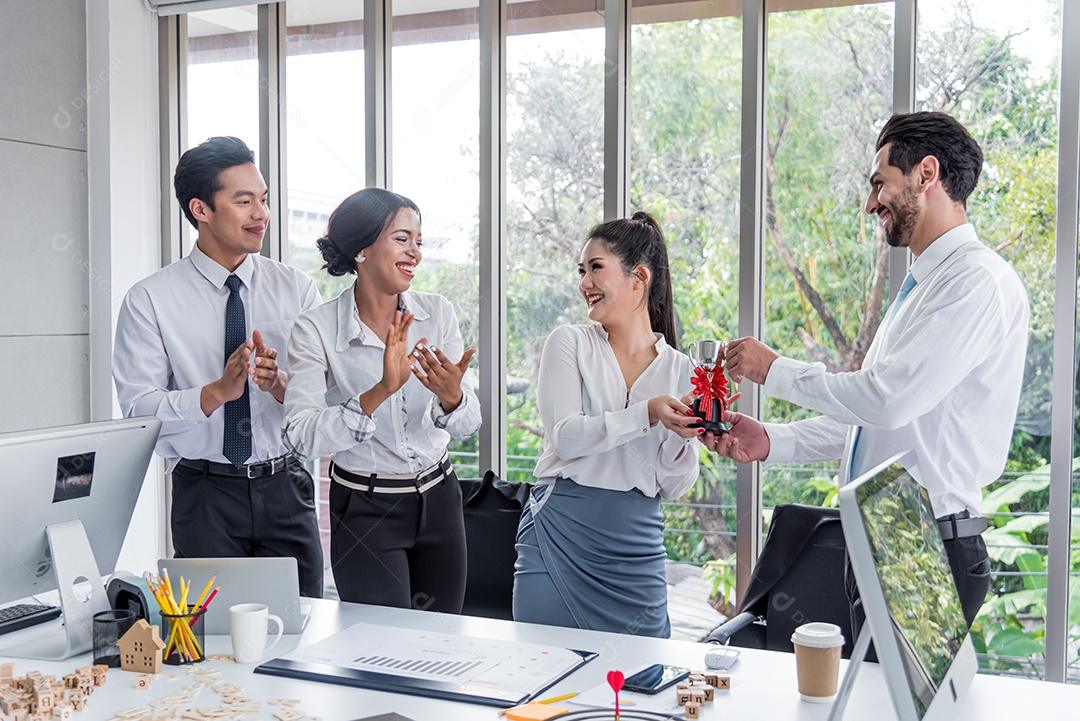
(68, 495)
(763, 682)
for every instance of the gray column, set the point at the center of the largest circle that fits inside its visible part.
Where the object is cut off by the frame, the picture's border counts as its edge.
(751, 272)
(271, 40)
(492, 236)
(1064, 379)
(616, 108)
(378, 28)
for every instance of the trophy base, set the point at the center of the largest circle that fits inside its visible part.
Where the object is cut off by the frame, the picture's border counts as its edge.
(716, 425)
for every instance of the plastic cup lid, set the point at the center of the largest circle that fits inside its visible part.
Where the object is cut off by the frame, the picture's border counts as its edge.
(818, 635)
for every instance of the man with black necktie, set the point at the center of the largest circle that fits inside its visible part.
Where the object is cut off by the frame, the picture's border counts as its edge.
(942, 377)
(197, 347)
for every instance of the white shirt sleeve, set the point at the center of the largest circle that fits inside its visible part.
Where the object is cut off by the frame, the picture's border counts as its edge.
(960, 325)
(815, 439)
(463, 421)
(310, 428)
(677, 465)
(141, 370)
(559, 387)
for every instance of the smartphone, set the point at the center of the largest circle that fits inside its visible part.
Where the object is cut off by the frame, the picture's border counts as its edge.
(652, 679)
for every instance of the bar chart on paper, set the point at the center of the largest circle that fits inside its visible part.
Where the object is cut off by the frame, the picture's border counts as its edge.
(480, 670)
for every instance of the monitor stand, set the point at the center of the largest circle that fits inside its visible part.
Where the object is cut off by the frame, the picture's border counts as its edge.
(862, 644)
(73, 560)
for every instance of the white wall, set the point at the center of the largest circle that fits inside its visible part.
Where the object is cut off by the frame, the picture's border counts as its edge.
(124, 215)
(44, 279)
(80, 203)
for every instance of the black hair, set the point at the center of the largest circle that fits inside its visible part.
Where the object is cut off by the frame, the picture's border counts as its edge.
(914, 136)
(357, 223)
(636, 241)
(198, 174)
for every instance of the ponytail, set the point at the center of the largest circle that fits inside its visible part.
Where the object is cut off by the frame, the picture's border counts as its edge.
(640, 241)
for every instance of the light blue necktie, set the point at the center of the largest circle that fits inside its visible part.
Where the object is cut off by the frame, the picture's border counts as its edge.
(905, 288)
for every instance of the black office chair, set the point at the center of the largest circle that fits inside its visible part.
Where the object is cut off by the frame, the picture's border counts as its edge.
(492, 509)
(799, 578)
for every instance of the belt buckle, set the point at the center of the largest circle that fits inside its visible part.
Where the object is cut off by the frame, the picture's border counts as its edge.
(248, 468)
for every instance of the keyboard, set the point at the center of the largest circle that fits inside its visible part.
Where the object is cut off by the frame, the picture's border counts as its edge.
(21, 615)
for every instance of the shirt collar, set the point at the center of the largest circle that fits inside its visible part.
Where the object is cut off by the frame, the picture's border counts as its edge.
(349, 327)
(660, 344)
(218, 274)
(945, 245)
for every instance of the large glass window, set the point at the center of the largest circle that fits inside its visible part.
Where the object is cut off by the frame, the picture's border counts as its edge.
(829, 92)
(325, 126)
(555, 142)
(223, 75)
(685, 119)
(324, 116)
(997, 73)
(436, 132)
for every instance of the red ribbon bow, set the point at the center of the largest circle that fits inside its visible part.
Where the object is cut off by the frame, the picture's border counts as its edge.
(709, 385)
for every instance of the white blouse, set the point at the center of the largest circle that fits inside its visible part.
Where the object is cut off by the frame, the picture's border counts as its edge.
(334, 357)
(596, 430)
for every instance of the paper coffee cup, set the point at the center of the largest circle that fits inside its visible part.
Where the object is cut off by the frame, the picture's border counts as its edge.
(817, 659)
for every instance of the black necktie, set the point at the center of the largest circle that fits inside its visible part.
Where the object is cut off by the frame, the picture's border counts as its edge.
(236, 444)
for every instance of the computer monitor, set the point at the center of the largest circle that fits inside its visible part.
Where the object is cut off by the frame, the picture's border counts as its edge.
(912, 606)
(68, 495)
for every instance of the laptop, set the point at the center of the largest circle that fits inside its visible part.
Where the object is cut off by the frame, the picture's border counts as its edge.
(273, 581)
(912, 606)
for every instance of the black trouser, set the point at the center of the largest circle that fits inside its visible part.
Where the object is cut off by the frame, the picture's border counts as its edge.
(399, 550)
(970, 566)
(222, 515)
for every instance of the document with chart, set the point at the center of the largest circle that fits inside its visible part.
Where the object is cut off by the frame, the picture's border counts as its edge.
(428, 663)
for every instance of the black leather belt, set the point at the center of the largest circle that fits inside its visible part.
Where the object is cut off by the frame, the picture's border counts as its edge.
(252, 470)
(961, 525)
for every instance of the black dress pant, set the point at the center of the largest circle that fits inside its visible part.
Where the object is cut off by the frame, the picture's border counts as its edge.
(217, 515)
(403, 550)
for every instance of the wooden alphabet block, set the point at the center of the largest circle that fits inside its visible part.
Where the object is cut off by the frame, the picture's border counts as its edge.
(62, 712)
(289, 714)
(86, 685)
(77, 699)
(723, 683)
(710, 678)
(19, 714)
(696, 696)
(705, 689)
(693, 710)
(7, 670)
(142, 680)
(683, 696)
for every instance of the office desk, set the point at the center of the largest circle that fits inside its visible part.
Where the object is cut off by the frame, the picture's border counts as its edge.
(763, 682)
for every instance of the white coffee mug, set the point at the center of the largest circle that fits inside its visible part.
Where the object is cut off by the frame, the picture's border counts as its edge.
(248, 629)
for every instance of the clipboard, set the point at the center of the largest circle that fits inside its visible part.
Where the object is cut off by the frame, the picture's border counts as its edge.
(470, 669)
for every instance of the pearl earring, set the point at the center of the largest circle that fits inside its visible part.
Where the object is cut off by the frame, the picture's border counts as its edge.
(360, 258)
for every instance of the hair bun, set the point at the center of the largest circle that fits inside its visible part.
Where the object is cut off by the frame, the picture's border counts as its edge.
(337, 264)
(645, 218)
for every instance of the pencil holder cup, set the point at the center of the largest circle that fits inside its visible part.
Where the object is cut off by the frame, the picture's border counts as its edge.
(109, 626)
(185, 641)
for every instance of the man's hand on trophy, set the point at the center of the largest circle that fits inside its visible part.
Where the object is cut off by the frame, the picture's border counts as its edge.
(674, 415)
(749, 358)
(745, 441)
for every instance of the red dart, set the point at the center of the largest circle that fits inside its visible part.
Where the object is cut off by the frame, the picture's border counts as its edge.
(615, 679)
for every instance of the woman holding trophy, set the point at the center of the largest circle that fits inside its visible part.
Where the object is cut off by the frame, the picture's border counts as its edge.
(617, 439)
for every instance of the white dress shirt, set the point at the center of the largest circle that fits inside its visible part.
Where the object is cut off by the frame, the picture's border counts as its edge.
(170, 342)
(334, 357)
(596, 430)
(941, 379)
